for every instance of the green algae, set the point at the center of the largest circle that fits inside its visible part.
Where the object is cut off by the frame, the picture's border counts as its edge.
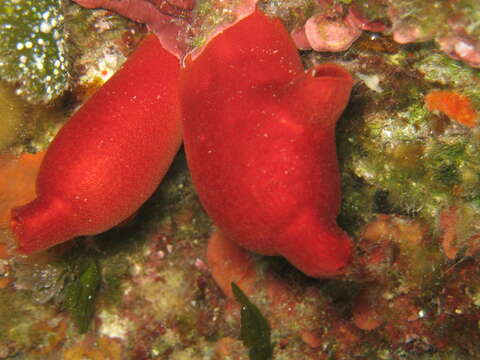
(470, 10)
(255, 330)
(32, 48)
(19, 319)
(83, 280)
(418, 174)
(439, 68)
(13, 111)
(209, 15)
(292, 13)
(373, 10)
(98, 43)
(391, 145)
(429, 18)
(46, 49)
(25, 127)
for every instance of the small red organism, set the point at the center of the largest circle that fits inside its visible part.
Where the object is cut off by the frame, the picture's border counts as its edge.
(111, 155)
(229, 263)
(259, 137)
(455, 106)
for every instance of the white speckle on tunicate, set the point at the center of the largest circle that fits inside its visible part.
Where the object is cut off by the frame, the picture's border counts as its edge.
(19, 46)
(28, 44)
(23, 59)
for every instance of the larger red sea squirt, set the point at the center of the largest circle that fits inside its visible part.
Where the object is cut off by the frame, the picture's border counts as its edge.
(259, 137)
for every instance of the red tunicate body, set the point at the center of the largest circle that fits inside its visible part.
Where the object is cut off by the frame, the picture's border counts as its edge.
(110, 156)
(259, 138)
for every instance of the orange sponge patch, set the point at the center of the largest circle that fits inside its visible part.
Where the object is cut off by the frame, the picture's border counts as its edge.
(457, 107)
(17, 182)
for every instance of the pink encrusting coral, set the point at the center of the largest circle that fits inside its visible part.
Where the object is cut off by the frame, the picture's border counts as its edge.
(360, 20)
(328, 29)
(172, 22)
(334, 27)
(167, 19)
(462, 47)
(332, 35)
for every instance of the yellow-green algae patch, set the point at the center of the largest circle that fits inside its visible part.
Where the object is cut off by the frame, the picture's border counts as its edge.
(13, 110)
(32, 48)
(19, 319)
(25, 127)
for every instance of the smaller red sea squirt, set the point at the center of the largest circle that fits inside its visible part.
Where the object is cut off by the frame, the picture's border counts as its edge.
(259, 134)
(110, 156)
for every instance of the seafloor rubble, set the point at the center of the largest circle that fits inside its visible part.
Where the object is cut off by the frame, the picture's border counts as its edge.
(408, 147)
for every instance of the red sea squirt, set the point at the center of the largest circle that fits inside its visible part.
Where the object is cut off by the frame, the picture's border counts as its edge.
(110, 156)
(259, 138)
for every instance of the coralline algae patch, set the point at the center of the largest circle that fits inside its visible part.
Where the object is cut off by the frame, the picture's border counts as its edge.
(32, 48)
